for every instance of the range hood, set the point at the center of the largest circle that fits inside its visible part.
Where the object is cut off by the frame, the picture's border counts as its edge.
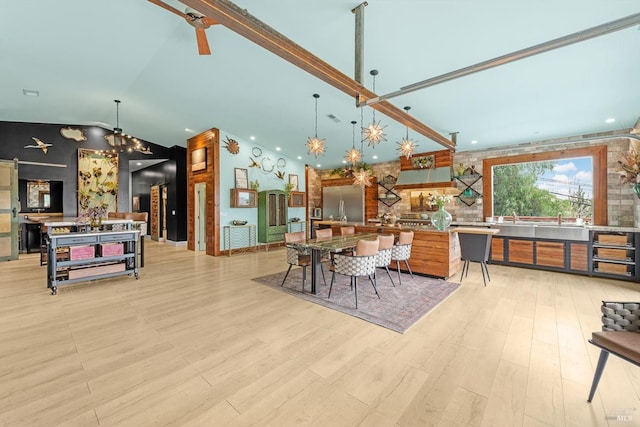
(417, 178)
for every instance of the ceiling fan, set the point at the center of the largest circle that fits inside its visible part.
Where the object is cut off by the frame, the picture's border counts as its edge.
(195, 19)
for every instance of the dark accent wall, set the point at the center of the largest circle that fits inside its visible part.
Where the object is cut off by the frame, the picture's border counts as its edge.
(171, 174)
(14, 136)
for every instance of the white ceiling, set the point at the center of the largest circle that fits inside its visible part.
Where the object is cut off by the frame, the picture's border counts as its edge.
(83, 54)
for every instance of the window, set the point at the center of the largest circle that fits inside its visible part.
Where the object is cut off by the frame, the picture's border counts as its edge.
(537, 186)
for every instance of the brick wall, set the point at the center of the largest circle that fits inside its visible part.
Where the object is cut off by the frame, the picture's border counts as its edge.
(623, 205)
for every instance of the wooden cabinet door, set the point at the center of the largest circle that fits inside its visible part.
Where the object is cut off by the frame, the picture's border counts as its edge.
(578, 256)
(497, 249)
(282, 209)
(550, 254)
(521, 251)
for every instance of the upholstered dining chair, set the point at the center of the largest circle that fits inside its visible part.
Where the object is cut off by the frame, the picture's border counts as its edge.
(347, 230)
(402, 252)
(324, 233)
(363, 263)
(296, 256)
(620, 336)
(383, 258)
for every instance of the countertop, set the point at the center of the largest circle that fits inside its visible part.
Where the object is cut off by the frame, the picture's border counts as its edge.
(568, 224)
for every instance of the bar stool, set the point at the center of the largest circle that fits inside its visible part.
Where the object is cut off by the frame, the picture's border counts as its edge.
(402, 251)
(361, 264)
(475, 247)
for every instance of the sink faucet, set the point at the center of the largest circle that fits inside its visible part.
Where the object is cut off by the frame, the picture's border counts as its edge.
(559, 218)
(515, 216)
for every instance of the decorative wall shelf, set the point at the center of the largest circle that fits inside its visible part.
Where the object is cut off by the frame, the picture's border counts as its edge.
(468, 195)
(390, 197)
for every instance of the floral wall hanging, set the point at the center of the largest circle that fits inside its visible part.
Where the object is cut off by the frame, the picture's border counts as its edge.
(97, 181)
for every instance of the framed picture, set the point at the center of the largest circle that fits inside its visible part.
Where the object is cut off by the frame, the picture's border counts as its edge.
(293, 179)
(135, 203)
(199, 159)
(242, 178)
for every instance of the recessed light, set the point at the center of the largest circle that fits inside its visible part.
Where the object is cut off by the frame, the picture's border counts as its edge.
(30, 92)
(277, 148)
(189, 130)
(474, 141)
(319, 165)
(138, 164)
(253, 138)
(610, 120)
(344, 161)
(375, 156)
(299, 157)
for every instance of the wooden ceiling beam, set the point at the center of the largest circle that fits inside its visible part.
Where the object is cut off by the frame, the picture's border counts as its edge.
(242, 22)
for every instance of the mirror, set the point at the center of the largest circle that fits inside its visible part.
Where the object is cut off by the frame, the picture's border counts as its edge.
(38, 194)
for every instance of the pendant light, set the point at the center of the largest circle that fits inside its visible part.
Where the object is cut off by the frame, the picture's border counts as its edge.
(353, 155)
(121, 141)
(315, 145)
(407, 146)
(374, 133)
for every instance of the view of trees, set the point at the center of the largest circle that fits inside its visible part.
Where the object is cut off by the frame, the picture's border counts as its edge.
(516, 189)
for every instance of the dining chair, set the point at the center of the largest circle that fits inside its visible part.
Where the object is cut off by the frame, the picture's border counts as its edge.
(402, 252)
(620, 336)
(347, 230)
(383, 257)
(297, 256)
(324, 233)
(363, 263)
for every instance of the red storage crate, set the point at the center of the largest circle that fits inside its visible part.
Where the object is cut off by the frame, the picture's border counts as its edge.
(82, 252)
(111, 249)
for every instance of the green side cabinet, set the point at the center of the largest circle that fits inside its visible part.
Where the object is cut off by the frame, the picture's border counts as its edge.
(272, 216)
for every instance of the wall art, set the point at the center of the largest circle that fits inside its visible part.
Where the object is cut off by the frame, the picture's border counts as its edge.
(97, 181)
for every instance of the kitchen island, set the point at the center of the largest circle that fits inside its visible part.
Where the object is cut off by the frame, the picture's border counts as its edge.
(434, 253)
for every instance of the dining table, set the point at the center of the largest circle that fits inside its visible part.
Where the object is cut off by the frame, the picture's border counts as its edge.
(335, 244)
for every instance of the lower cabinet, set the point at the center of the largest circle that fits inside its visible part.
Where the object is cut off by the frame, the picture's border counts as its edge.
(521, 251)
(550, 254)
(615, 255)
(497, 249)
(607, 254)
(578, 256)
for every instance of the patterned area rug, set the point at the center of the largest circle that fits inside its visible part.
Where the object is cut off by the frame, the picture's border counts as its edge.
(397, 309)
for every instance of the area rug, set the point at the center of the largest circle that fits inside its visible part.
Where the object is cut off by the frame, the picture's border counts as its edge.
(397, 309)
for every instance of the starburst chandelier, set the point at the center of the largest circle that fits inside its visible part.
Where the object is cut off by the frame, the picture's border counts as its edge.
(353, 155)
(314, 144)
(407, 146)
(374, 133)
(361, 175)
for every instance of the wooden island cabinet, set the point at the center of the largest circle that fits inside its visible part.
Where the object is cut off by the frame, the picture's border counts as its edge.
(434, 253)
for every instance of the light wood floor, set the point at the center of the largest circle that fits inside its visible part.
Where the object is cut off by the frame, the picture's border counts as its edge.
(195, 342)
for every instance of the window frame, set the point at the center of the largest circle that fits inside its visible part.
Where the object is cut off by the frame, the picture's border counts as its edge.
(598, 155)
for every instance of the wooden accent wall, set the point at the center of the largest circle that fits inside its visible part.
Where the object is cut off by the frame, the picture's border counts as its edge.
(370, 194)
(442, 157)
(211, 176)
(597, 153)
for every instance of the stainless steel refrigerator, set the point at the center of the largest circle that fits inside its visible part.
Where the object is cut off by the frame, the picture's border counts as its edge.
(351, 197)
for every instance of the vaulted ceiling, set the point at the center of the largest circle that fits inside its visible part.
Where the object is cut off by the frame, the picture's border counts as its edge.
(82, 54)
